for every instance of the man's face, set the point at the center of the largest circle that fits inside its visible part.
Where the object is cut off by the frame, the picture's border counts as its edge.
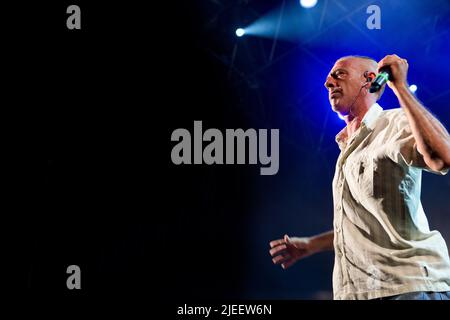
(344, 83)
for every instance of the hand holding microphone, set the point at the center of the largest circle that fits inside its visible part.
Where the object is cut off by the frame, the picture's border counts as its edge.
(382, 78)
(392, 70)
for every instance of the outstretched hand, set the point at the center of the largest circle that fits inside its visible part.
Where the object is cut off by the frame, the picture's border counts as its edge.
(287, 251)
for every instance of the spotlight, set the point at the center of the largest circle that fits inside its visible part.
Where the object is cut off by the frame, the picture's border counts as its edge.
(413, 88)
(240, 32)
(308, 3)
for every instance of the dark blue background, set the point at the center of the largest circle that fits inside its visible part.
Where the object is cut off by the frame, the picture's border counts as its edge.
(135, 222)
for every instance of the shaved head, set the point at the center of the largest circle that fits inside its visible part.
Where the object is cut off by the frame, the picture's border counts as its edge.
(364, 63)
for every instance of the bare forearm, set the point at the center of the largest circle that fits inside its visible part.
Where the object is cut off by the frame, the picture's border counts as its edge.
(433, 140)
(323, 241)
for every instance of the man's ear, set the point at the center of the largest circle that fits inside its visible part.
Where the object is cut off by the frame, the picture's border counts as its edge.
(370, 76)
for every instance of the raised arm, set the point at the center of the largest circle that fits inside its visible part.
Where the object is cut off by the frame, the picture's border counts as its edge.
(432, 139)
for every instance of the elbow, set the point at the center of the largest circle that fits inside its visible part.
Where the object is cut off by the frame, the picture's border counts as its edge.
(434, 160)
(438, 164)
(446, 157)
(447, 161)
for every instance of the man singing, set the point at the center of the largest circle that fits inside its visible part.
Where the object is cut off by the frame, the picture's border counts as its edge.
(383, 246)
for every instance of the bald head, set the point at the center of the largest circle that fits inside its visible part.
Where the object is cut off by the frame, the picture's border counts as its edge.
(362, 63)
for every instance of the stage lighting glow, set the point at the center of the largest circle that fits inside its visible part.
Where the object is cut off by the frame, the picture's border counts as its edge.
(340, 116)
(413, 88)
(308, 3)
(240, 32)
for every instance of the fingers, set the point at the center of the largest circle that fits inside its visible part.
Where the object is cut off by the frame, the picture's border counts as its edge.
(386, 61)
(278, 249)
(287, 263)
(280, 253)
(277, 242)
(287, 239)
(389, 60)
(282, 258)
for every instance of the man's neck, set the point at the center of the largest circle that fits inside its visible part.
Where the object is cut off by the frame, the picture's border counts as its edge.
(353, 126)
(354, 119)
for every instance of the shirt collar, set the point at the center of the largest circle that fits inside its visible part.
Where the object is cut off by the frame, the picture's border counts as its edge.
(372, 115)
(368, 121)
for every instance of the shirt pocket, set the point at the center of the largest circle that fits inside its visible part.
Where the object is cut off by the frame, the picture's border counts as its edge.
(365, 172)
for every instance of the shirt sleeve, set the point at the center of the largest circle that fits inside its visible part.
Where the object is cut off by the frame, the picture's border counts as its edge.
(403, 145)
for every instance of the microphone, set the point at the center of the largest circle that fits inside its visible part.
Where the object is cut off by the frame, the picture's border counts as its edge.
(383, 77)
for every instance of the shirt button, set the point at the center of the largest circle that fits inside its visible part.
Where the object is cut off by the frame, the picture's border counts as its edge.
(339, 207)
(338, 229)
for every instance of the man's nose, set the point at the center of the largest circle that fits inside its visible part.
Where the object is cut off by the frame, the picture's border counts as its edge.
(329, 83)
